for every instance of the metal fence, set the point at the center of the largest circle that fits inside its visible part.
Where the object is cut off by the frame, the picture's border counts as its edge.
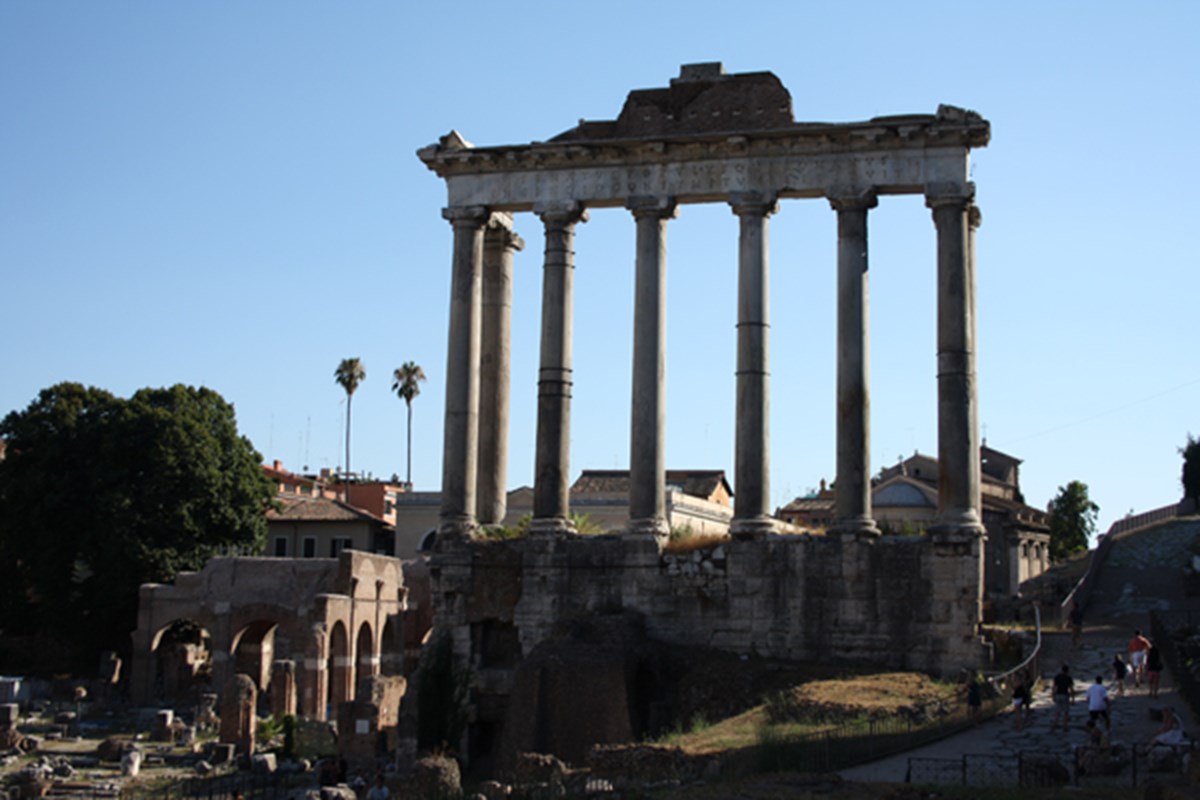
(1086, 767)
(246, 785)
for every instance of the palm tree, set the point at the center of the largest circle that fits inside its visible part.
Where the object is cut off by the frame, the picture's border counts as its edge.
(406, 383)
(349, 374)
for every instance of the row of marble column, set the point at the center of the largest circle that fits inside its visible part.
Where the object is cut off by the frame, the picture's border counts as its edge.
(477, 377)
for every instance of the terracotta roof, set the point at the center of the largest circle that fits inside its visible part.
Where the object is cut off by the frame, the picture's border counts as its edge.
(318, 509)
(695, 482)
(809, 504)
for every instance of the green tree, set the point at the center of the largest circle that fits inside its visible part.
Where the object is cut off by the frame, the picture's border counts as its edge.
(99, 495)
(406, 382)
(1072, 520)
(1191, 468)
(349, 374)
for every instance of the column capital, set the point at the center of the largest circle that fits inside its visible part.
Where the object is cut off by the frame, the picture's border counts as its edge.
(500, 220)
(561, 213)
(759, 204)
(851, 198)
(500, 225)
(655, 207)
(974, 216)
(938, 195)
(470, 216)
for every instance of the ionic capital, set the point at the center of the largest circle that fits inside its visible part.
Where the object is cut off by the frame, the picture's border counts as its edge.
(940, 195)
(500, 233)
(753, 204)
(653, 207)
(850, 198)
(467, 216)
(560, 213)
(500, 220)
(974, 217)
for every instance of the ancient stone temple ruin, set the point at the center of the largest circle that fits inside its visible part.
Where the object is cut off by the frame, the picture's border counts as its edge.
(710, 137)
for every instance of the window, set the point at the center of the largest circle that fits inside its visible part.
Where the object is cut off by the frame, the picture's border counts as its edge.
(338, 543)
(310, 546)
(281, 547)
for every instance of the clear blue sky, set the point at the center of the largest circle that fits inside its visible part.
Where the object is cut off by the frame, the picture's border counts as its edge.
(226, 194)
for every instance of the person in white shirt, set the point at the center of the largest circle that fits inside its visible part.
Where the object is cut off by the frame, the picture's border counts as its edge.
(1097, 697)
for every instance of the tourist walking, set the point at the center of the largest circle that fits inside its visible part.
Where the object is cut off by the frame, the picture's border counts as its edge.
(1120, 672)
(1020, 701)
(1137, 648)
(1097, 697)
(1154, 669)
(1064, 695)
(1075, 619)
(974, 699)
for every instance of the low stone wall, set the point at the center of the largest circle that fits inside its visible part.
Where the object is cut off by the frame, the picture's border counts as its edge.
(899, 602)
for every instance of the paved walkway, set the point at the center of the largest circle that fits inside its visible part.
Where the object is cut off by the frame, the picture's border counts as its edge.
(1125, 594)
(1131, 720)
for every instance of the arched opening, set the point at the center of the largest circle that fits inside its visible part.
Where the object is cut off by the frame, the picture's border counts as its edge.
(254, 651)
(391, 647)
(428, 541)
(339, 668)
(364, 648)
(183, 662)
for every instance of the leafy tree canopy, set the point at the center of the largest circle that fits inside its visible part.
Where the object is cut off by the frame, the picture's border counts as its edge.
(1191, 468)
(99, 494)
(1072, 520)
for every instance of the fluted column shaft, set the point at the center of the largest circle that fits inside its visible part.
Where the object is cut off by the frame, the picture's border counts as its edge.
(647, 440)
(495, 357)
(551, 503)
(460, 446)
(752, 512)
(853, 490)
(958, 415)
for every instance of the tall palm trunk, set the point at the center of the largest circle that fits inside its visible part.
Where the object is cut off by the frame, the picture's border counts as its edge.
(408, 479)
(349, 398)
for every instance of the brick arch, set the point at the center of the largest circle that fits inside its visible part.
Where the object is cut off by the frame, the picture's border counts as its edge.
(340, 667)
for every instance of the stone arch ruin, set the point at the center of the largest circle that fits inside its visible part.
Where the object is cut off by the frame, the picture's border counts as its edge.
(282, 622)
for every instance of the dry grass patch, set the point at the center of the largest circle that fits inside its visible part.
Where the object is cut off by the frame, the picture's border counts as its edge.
(904, 694)
(819, 705)
(695, 541)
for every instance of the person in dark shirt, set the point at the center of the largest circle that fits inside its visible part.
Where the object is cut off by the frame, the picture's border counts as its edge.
(1064, 694)
(1120, 670)
(1075, 618)
(974, 699)
(1154, 669)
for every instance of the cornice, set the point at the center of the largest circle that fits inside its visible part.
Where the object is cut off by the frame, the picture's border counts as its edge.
(950, 127)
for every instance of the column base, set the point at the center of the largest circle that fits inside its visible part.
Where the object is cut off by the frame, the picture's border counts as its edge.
(855, 526)
(958, 525)
(551, 526)
(656, 527)
(456, 529)
(753, 527)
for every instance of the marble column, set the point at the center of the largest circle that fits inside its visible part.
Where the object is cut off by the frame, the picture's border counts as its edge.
(852, 506)
(752, 511)
(958, 417)
(499, 244)
(647, 438)
(551, 503)
(460, 445)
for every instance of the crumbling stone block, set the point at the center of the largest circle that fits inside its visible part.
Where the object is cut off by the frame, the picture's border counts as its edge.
(238, 718)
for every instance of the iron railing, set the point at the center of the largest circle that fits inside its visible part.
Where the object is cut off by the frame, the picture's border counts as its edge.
(1085, 767)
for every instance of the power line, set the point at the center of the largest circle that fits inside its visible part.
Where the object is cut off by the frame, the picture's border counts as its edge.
(1109, 412)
